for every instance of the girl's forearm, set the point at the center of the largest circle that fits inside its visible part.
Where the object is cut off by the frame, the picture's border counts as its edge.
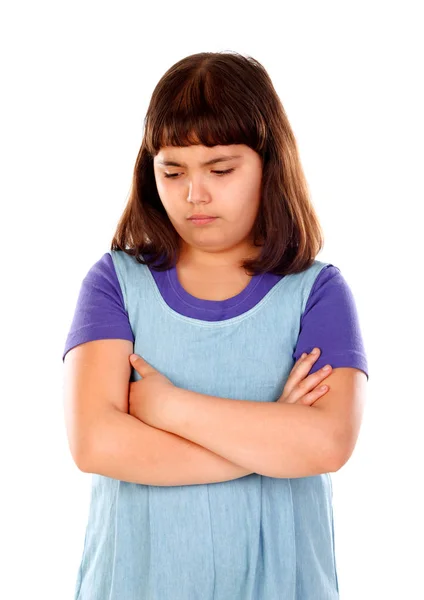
(270, 438)
(125, 448)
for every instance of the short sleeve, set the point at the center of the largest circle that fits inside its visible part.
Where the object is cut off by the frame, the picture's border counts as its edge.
(100, 311)
(330, 322)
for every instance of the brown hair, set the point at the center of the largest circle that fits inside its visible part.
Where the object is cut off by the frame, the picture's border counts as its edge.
(217, 98)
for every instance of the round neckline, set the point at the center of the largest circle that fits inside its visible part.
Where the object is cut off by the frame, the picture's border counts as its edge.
(211, 304)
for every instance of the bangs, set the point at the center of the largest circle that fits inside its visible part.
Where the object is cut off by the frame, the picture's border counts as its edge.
(203, 110)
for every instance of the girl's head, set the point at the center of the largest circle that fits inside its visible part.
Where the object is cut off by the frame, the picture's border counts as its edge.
(209, 106)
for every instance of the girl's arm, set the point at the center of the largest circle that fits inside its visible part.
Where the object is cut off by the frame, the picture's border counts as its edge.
(105, 439)
(130, 450)
(274, 439)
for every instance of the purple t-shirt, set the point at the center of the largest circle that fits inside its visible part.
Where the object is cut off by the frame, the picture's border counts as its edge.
(329, 321)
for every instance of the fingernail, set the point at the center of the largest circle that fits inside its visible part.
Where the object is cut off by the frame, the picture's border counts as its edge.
(315, 351)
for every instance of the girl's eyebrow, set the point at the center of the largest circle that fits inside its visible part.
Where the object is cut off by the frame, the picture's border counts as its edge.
(212, 161)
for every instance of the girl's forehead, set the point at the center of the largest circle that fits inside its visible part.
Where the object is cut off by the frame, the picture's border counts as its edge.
(204, 155)
(200, 148)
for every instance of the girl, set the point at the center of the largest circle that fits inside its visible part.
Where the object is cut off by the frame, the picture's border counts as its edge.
(210, 450)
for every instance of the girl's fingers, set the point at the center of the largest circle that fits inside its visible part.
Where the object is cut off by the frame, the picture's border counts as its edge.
(307, 399)
(307, 359)
(302, 357)
(300, 370)
(312, 381)
(300, 385)
(313, 396)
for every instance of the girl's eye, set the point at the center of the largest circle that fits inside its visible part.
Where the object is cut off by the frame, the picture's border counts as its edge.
(219, 173)
(223, 172)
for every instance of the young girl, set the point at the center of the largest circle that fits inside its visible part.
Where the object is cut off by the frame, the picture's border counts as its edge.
(211, 449)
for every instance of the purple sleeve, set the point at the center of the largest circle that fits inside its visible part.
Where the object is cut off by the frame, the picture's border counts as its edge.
(100, 311)
(330, 322)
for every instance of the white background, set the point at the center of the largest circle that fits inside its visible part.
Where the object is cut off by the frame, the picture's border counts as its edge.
(76, 81)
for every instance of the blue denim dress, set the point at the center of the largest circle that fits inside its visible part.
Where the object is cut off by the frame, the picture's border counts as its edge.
(252, 538)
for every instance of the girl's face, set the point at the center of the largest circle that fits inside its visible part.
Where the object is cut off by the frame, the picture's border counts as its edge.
(187, 185)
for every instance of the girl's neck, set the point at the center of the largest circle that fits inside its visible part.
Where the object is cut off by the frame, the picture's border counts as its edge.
(215, 262)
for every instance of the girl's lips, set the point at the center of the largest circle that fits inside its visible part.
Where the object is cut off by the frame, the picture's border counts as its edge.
(202, 221)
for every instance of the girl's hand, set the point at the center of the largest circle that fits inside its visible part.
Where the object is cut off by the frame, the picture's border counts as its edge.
(299, 388)
(149, 397)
